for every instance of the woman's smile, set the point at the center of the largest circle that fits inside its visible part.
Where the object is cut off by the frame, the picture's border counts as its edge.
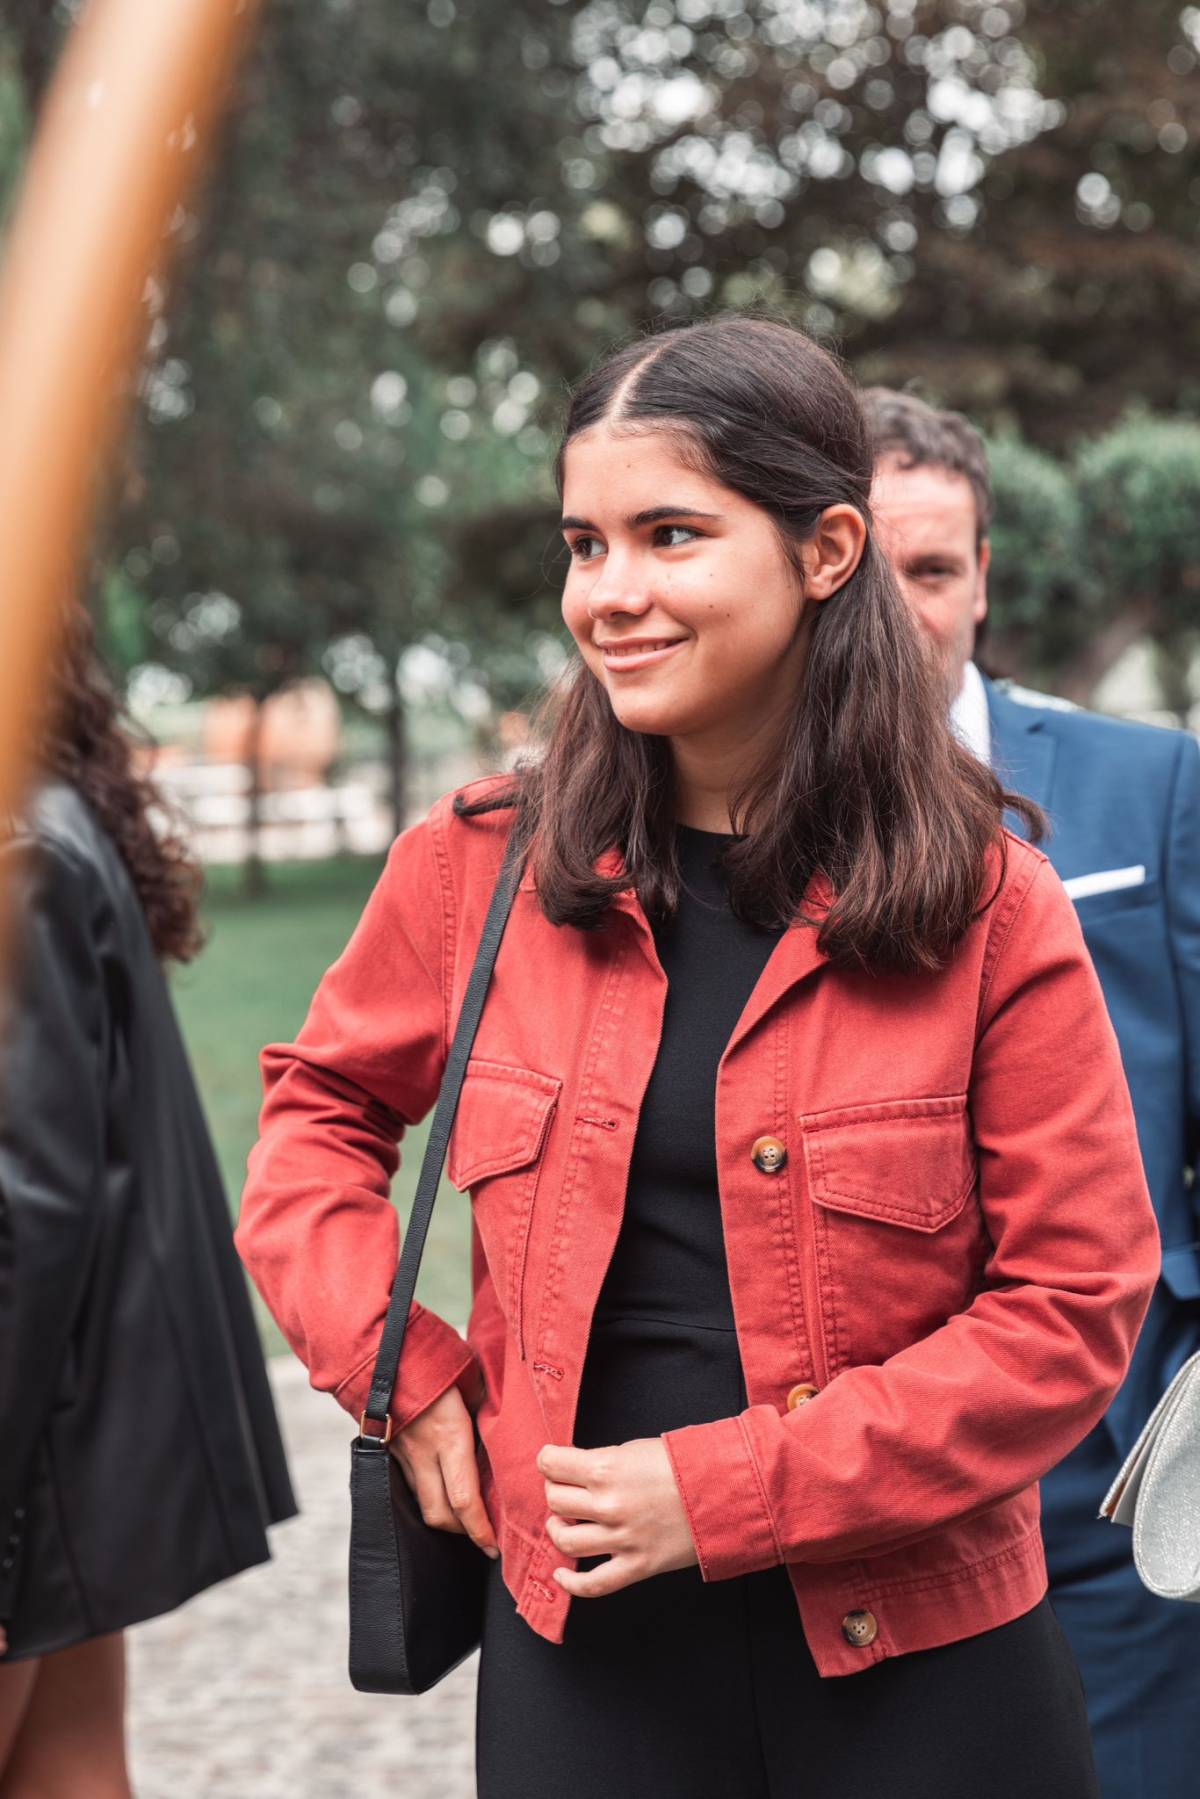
(639, 652)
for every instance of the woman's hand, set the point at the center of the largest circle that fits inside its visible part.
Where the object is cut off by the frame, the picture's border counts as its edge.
(620, 1502)
(436, 1453)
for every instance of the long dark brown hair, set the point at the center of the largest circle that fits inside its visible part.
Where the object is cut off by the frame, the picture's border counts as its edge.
(867, 786)
(85, 742)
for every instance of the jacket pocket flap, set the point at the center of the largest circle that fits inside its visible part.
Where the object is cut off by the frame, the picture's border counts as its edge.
(1181, 1271)
(503, 1113)
(908, 1162)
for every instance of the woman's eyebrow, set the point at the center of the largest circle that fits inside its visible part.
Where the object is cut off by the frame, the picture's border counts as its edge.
(635, 520)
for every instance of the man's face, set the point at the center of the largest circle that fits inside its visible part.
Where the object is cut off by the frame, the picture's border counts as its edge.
(925, 523)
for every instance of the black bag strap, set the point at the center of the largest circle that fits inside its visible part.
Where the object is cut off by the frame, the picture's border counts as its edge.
(387, 1362)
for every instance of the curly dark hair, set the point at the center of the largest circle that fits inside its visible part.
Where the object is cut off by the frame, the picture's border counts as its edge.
(86, 742)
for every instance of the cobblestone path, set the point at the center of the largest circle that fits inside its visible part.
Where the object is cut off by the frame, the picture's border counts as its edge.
(243, 1693)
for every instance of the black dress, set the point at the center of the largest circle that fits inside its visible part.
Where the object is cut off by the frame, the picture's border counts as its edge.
(140, 1458)
(678, 1689)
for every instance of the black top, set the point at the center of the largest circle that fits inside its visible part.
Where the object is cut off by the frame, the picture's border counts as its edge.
(669, 1261)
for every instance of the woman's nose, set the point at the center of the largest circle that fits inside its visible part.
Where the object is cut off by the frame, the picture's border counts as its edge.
(617, 590)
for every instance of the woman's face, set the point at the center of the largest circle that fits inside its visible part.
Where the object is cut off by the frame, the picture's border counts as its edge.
(678, 593)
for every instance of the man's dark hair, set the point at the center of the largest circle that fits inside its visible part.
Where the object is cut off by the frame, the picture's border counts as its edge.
(920, 436)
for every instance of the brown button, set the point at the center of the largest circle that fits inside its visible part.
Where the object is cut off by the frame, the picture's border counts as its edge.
(768, 1154)
(799, 1395)
(860, 1628)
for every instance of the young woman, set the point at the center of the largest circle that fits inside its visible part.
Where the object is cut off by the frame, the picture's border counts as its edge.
(810, 1228)
(141, 1459)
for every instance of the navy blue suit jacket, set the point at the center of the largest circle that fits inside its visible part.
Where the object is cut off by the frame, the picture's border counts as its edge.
(1122, 798)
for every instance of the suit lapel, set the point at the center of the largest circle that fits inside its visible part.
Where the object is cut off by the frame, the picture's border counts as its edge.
(1023, 750)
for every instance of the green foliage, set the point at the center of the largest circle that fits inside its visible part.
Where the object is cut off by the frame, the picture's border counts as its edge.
(1091, 554)
(121, 622)
(995, 199)
(1035, 529)
(1139, 491)
(14, 128)
(1040, 602)
(252, 986)
(306, 468)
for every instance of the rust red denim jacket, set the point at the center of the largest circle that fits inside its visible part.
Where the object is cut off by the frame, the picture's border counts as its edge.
(956, 1251)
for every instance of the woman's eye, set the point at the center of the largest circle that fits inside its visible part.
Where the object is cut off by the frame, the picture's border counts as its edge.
(585, 548)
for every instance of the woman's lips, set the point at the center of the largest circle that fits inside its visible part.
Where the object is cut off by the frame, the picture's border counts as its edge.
(621, 660)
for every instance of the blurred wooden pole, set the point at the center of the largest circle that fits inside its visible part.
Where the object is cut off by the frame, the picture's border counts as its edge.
(120, 140)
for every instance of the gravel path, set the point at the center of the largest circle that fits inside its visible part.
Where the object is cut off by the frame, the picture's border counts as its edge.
(243, 1693)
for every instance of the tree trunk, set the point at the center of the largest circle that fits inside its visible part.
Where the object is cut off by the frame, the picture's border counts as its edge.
(397, 759)
(254, 873)
(1105, 650)
(1172, 667)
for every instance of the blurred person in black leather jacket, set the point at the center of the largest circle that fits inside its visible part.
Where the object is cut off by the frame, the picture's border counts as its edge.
(140, 1459)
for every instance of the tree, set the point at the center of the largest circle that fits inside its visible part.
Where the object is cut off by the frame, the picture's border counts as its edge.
(283, 501)
(992, 197)
(1043, 611)
(996, 198)
(1139, 492)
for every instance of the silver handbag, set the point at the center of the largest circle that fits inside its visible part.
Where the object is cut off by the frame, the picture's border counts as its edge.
(1158, 1491)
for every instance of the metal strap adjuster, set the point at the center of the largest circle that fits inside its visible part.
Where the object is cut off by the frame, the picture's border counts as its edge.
(374, 1436)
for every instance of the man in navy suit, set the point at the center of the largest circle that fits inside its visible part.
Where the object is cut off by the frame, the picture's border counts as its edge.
(1124, 807)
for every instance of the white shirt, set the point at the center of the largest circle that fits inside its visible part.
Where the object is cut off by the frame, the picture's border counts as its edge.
(969, 717)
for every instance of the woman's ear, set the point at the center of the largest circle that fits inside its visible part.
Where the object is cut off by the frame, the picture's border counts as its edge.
(834, 551)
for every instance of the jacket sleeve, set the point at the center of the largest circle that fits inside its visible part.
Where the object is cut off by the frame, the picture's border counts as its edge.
(317, 1230)
(1182, 886)
(983, 1406)
(53, 1074)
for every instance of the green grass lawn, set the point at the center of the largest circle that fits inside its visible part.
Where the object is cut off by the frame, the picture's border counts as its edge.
(251, 985)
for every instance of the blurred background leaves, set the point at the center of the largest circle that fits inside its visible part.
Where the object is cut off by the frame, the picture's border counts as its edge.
(426, 219)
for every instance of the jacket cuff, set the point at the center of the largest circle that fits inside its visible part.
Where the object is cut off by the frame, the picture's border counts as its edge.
(433, 1359)
(724, 1498)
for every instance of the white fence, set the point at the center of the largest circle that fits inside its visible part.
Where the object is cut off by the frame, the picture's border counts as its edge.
(349, 816)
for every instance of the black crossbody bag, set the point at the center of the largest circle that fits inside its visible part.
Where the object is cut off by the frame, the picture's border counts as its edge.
(416, 1593)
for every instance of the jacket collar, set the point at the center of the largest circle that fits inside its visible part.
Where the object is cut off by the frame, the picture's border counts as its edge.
(1023, 751)
(796, 956)
(610, 863)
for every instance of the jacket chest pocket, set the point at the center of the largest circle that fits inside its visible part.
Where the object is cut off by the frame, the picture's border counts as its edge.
(496, 1152)
(898, 1249)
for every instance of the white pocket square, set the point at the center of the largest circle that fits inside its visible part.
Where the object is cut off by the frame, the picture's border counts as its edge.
(1108, 880)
